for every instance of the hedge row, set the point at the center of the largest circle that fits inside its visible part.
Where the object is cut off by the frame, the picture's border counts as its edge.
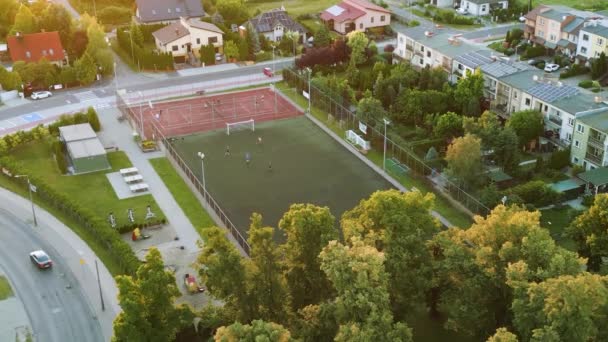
(146, 58)
(99, 229)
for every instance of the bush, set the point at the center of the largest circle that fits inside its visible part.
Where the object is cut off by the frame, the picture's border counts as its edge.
(449, 17)
(62, 162)
(577, 169)
(146, 58)
(263, 56)
(114, 15)
(588, 200)
(93, 119)
(584, 84)
(413, 23)
(559, 159)
(536, 193)
(533, 51)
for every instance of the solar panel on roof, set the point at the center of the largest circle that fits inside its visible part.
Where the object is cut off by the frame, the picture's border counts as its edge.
(550, 92)
(335, 10)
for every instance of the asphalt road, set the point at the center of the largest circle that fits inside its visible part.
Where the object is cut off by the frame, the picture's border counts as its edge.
(57, 313)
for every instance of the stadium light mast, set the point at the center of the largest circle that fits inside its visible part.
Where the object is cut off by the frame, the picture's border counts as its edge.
(202, 156)
(386, 123)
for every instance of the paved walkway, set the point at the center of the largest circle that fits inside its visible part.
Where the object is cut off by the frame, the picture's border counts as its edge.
(72, 250)
(13, 318)
(119, 134)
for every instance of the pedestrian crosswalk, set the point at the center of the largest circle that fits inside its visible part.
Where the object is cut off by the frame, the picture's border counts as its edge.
(85, 96)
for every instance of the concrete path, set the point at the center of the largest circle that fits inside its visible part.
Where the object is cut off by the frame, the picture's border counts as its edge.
(78, 257)
(13, 318)
(119, 134)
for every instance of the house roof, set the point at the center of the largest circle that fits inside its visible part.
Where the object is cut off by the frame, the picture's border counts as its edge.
(480, 2)
(522, 80)
(501, 69)
(203, 25)
(581, 102)
(575, 24)
(34, 46)
(475, 59)
(554, 15)
(550, 92)
(534, 12)
(341, 13)
(85, 148)
(599, 30)
(597, 121)
(596, 177)
(170, 33)
(266, 21)
(162, 10)
(77, 132)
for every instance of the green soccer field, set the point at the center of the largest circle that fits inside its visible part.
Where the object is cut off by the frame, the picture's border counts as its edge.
(308, 166)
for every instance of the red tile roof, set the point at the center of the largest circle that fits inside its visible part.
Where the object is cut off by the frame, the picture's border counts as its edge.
(368, 5)
(348, 12)
(32, 47)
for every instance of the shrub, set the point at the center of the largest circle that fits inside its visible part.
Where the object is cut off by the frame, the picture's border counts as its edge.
(575, 69)
(413, 23)
(584, 84)
(533, 51)
(536, 192)
(93, 119)
(263, 56)
(577, 169)
(114, 15)
(559, 159)
(62, 162)
(588, 200)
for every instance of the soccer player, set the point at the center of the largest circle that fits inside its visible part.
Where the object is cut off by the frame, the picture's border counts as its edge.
(247, 158)
(269, 166)
(259, 142)
(227, 153)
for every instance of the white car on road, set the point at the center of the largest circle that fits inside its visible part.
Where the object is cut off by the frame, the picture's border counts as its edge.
(550, 67)
(41, 95)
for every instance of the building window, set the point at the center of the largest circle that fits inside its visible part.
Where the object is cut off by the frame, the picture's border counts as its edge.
(422, 48)
(527, 101)
(585, 37)
(515, 95)
(568, 137)
(483, 8)
(212, 40)
(28, 54)
(400, 39)
(542, 21)
(580, 128)
(460, 66)
(44, 52)
(570, 122)
(428, 54)
(51, 52)
(372, 20)
(421, 61)
(153, 12)
(361, 26)
(175, 48)
(575, 160)
(558, 114)
(583, 49)
(168, 10)
(177, 9)
(382, 18)
(541, 34)
(577, 144)
(600, 41)
(546, 108)
(198, 40)
(552, 37)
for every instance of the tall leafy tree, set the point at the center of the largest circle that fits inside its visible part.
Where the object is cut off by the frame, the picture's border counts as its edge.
(590, 232)
(136, 35)
(464, 160)
(471, 267)
(412, 105)
(233, 11)
(207, 53)
(147, 302)
(86, 70)
(231, 50)
(256, 332)
(244, 50)
(527, 124)
(486, 127)
(57, 18)
(8, 10)
(469, 93)
(24, 21)
(399, 225)
(448, 126)
(566, 308)
(362, 305)
(357, 42)
(503, 335)
(253, 40)
(322, 37)
(370, 109)
(505, 149)
(308, 228)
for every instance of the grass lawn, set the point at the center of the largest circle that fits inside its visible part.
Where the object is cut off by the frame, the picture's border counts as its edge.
(454, 215)
(556, 220)
(293, 7)
(5, 288)
(186, 199)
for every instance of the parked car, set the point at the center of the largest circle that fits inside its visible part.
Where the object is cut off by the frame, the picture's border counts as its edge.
(41, 259)
(550, 67)
(462, 11)
(522, 19)
(267, 72)
(37, 95)
(219, 57)
(534, 61)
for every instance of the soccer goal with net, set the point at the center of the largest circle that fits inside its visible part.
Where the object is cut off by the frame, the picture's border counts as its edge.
(239, 126)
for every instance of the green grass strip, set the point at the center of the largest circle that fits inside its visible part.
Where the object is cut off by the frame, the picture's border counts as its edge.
(5, 288)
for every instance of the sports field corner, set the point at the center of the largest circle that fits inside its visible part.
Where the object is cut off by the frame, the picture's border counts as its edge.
(290, 161)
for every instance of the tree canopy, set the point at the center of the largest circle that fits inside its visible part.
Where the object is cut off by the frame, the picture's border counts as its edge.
(464, 160)
(590, 232)
(527, 124)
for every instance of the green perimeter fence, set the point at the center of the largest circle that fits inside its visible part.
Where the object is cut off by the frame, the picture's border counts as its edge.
(347, 120)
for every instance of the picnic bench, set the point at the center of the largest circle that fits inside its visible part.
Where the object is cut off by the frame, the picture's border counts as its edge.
(133, 179)
(129, 171)
(139, 187)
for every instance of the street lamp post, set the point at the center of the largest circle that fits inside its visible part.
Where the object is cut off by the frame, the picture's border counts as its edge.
(202, 156)
(29, 188)
(309, 73)
(386, 122)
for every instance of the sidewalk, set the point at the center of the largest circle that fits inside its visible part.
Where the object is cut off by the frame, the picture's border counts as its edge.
(13, 318)
(74, 251)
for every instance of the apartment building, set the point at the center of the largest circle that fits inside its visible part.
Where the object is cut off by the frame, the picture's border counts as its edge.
(593, 40)
(589, 144)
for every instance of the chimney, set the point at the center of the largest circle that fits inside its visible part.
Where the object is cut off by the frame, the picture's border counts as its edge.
(176, 32)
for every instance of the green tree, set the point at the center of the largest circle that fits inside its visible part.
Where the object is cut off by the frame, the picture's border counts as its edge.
(86, 70)
(399, 225)
(207, 53)
(233, 11)
(308, 229)
(505, 149)
(362, 305)
(566, 308)
(503, 335)
(147, 302)
(322, 38)
(469, 93)
(527, 124)
(25, 22)
(370, 109)
(471, 267)
(9, 80)
(256, 332)
(244, 50)
(448, 126)
(8, 9)
(590, 232)
(98, 48)
(599, 66)
(136, 35)
(231, 50)
(464, 160)
(412, 105)
(57, 18)
(357, 42)
(93, 119)
(253, 40)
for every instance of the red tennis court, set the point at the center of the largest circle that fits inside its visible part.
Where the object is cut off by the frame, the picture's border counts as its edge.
(208, 112)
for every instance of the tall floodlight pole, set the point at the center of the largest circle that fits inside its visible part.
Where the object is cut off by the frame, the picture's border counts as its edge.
(309, 73)
(386, 122)
(202, 156)
(273, 73)
(29, 188)
(141, 115)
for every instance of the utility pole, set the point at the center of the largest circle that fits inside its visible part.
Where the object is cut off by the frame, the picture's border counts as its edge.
(29, 188)
(103, 306)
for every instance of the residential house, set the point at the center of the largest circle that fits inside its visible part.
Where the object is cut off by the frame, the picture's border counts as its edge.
(442, 3)
(167, 11)
(505, 84)
(589, 144)
(446, 50)
(593, 40)
(35, 46)
(483, 7)
(275, 23)
(359, 15)
(184, 38)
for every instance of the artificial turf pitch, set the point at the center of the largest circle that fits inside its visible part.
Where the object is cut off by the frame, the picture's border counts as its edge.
(308, 166)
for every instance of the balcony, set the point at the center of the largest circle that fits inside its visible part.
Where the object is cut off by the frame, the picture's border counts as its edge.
(594, 159)
(554, 121)
(409, 47)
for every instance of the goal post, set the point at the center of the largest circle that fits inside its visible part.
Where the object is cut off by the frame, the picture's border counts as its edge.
(240, 125)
